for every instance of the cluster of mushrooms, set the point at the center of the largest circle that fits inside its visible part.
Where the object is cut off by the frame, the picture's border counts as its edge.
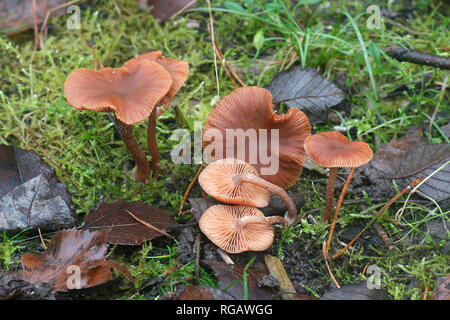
(135, 90)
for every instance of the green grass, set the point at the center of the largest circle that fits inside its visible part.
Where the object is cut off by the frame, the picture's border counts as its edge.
(336, 42)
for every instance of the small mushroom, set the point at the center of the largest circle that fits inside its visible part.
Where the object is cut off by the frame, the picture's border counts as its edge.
(178, 71)
(251, 108)
(236, 229)
(237, 182)
(333, 150)
(131, 94)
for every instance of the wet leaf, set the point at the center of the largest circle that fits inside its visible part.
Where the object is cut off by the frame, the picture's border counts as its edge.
(13, 287)
(164, 10)
(31, 194)
(408, 159)
(201, 293)
(358, 291)
(75, 259)
(230, 280)
(306, 90)
(442, 291)
(123, 228)
(17, 15)
(200, 205)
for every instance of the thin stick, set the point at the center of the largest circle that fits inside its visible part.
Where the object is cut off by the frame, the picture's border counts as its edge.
(225, 257)
(364, 271)
(149, 225)
(222, 58)
(197, 258)
(328, 266)
(211, 21)
(182, 9)
(42, 239)
(188, 190)
(379, 213)
(383, 235)
(338, 208)
(441, 96)
(35, 23)
(418, 57)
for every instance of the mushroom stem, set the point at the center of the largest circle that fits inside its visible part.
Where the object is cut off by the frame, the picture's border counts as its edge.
(291, 214)
(152, 143)
(242, 222)
(330, 193)
(142, 166)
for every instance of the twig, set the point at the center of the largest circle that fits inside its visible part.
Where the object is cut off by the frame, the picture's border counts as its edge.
(222, 58)
(211, 21)
(441, 96)
(149, 225)
(364, 271)
(42, 239)
(188, 190)
(383, 235)
(418, 57)
(328, 265)
(197, 258)
(379, 213)
(182, 9)
(35, 24)
(225, 257)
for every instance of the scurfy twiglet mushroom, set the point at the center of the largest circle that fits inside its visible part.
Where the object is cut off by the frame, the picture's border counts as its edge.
(334, 150)
(237, 182)
(131, 94)
(237, 229)
(251, 108)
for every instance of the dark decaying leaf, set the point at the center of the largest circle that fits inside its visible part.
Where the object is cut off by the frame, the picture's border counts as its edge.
(17, 15)
(358, 291)
(201, 293)
(71, 251)
(123, 228)
(442, 290)
(230, 280)
(408, 159)
(31, 194)
(200, 205)
(164, 9)
(306, 90)
(12, 286)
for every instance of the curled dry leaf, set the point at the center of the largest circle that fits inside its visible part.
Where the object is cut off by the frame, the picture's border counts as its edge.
(123, 228)
(406, 160)
(75, 259)
(306, 90)
(31, 194)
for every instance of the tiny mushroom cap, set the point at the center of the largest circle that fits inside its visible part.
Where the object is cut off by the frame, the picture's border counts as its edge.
(236, 229)
(130, 94)
(217, 180)
(334, 150)
(250, 110)
(178, 70)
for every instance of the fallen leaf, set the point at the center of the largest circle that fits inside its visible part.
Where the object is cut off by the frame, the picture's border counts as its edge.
(31, 194)
(123, 228)
(17, 15)
(442, 291)
(202, 293)
(200, 205)
(306, 90)
(406, 160)
(164, 10)
(74, 259)
(358, 291)
(230, 276)
(12, 286)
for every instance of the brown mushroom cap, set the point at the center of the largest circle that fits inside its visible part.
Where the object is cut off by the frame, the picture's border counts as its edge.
(220, 223)
(333, 149)
(178, 70)
(131, 94)
(251, 108)
(217, 180)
